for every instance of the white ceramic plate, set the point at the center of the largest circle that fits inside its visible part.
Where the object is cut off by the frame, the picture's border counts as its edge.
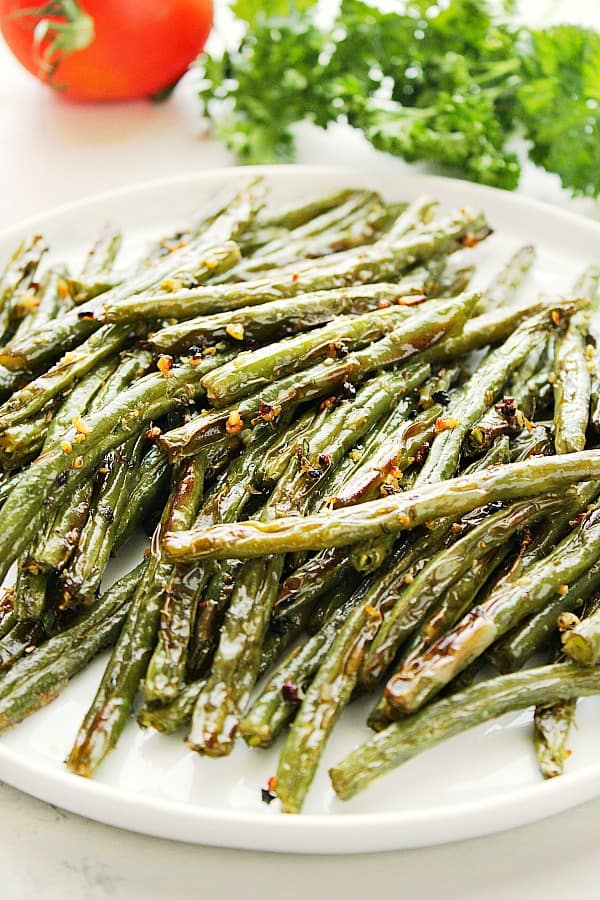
(477, 783)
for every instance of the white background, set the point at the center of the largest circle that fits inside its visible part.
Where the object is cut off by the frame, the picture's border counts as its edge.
(52, 152)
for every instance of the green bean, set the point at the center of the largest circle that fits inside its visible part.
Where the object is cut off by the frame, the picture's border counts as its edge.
(439, 575)
(456, 713)
(392, 514)
(551, 728)
(109, 711)
(378, 262)
(37, 679)
(505, 607)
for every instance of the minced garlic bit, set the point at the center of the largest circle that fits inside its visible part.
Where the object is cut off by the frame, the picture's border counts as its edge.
(446, 423)
(567, 620)
(80, 425)
(165, 364)
(78, 462)
(355, 455)
(66, 446)
(563, 589)
(28, 303)
(235, 330)
(234, 423)
(79, 438)
(372, 612)
(172, 284)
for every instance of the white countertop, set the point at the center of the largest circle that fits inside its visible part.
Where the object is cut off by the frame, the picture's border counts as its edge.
(52, 152)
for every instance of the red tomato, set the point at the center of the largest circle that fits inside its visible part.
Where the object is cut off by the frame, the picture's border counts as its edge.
(106, 49)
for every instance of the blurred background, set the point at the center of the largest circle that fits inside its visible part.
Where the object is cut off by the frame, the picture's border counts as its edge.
(63, 149)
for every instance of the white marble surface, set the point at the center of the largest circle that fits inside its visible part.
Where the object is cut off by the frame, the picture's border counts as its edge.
(52, 152)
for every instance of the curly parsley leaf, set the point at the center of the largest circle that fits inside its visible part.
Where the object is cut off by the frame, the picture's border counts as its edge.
(255, 93)
(254, 12)
(560, 105)
(444, 82)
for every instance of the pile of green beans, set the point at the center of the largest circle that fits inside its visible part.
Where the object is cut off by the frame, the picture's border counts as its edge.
(356, 474)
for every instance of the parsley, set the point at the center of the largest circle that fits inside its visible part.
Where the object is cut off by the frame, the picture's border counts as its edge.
(447, 83)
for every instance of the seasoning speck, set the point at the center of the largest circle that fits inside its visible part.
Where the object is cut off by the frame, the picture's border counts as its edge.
(165, 364)
(235, 330)
(234, 423)
(80, 425)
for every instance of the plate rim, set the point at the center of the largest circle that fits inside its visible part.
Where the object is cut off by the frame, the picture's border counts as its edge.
(329, 832)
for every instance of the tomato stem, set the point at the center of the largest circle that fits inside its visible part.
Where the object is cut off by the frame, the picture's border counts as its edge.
(73, 31)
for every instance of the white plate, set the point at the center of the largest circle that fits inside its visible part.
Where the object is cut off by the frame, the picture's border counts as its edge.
(477, 783)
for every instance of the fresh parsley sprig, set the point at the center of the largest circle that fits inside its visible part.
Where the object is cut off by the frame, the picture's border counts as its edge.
(447, 83)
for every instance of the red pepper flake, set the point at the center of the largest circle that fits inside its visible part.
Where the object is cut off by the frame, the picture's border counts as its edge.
(290, 691)
(328, 403)
(165, 364)
(324, 460)
(268, 794)
(411, 300)
(62, 289)
(507, 407)
(269, 412)
(383, 304)
(295, 277)
(153, 433)
(468, 240)
(422, 453)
